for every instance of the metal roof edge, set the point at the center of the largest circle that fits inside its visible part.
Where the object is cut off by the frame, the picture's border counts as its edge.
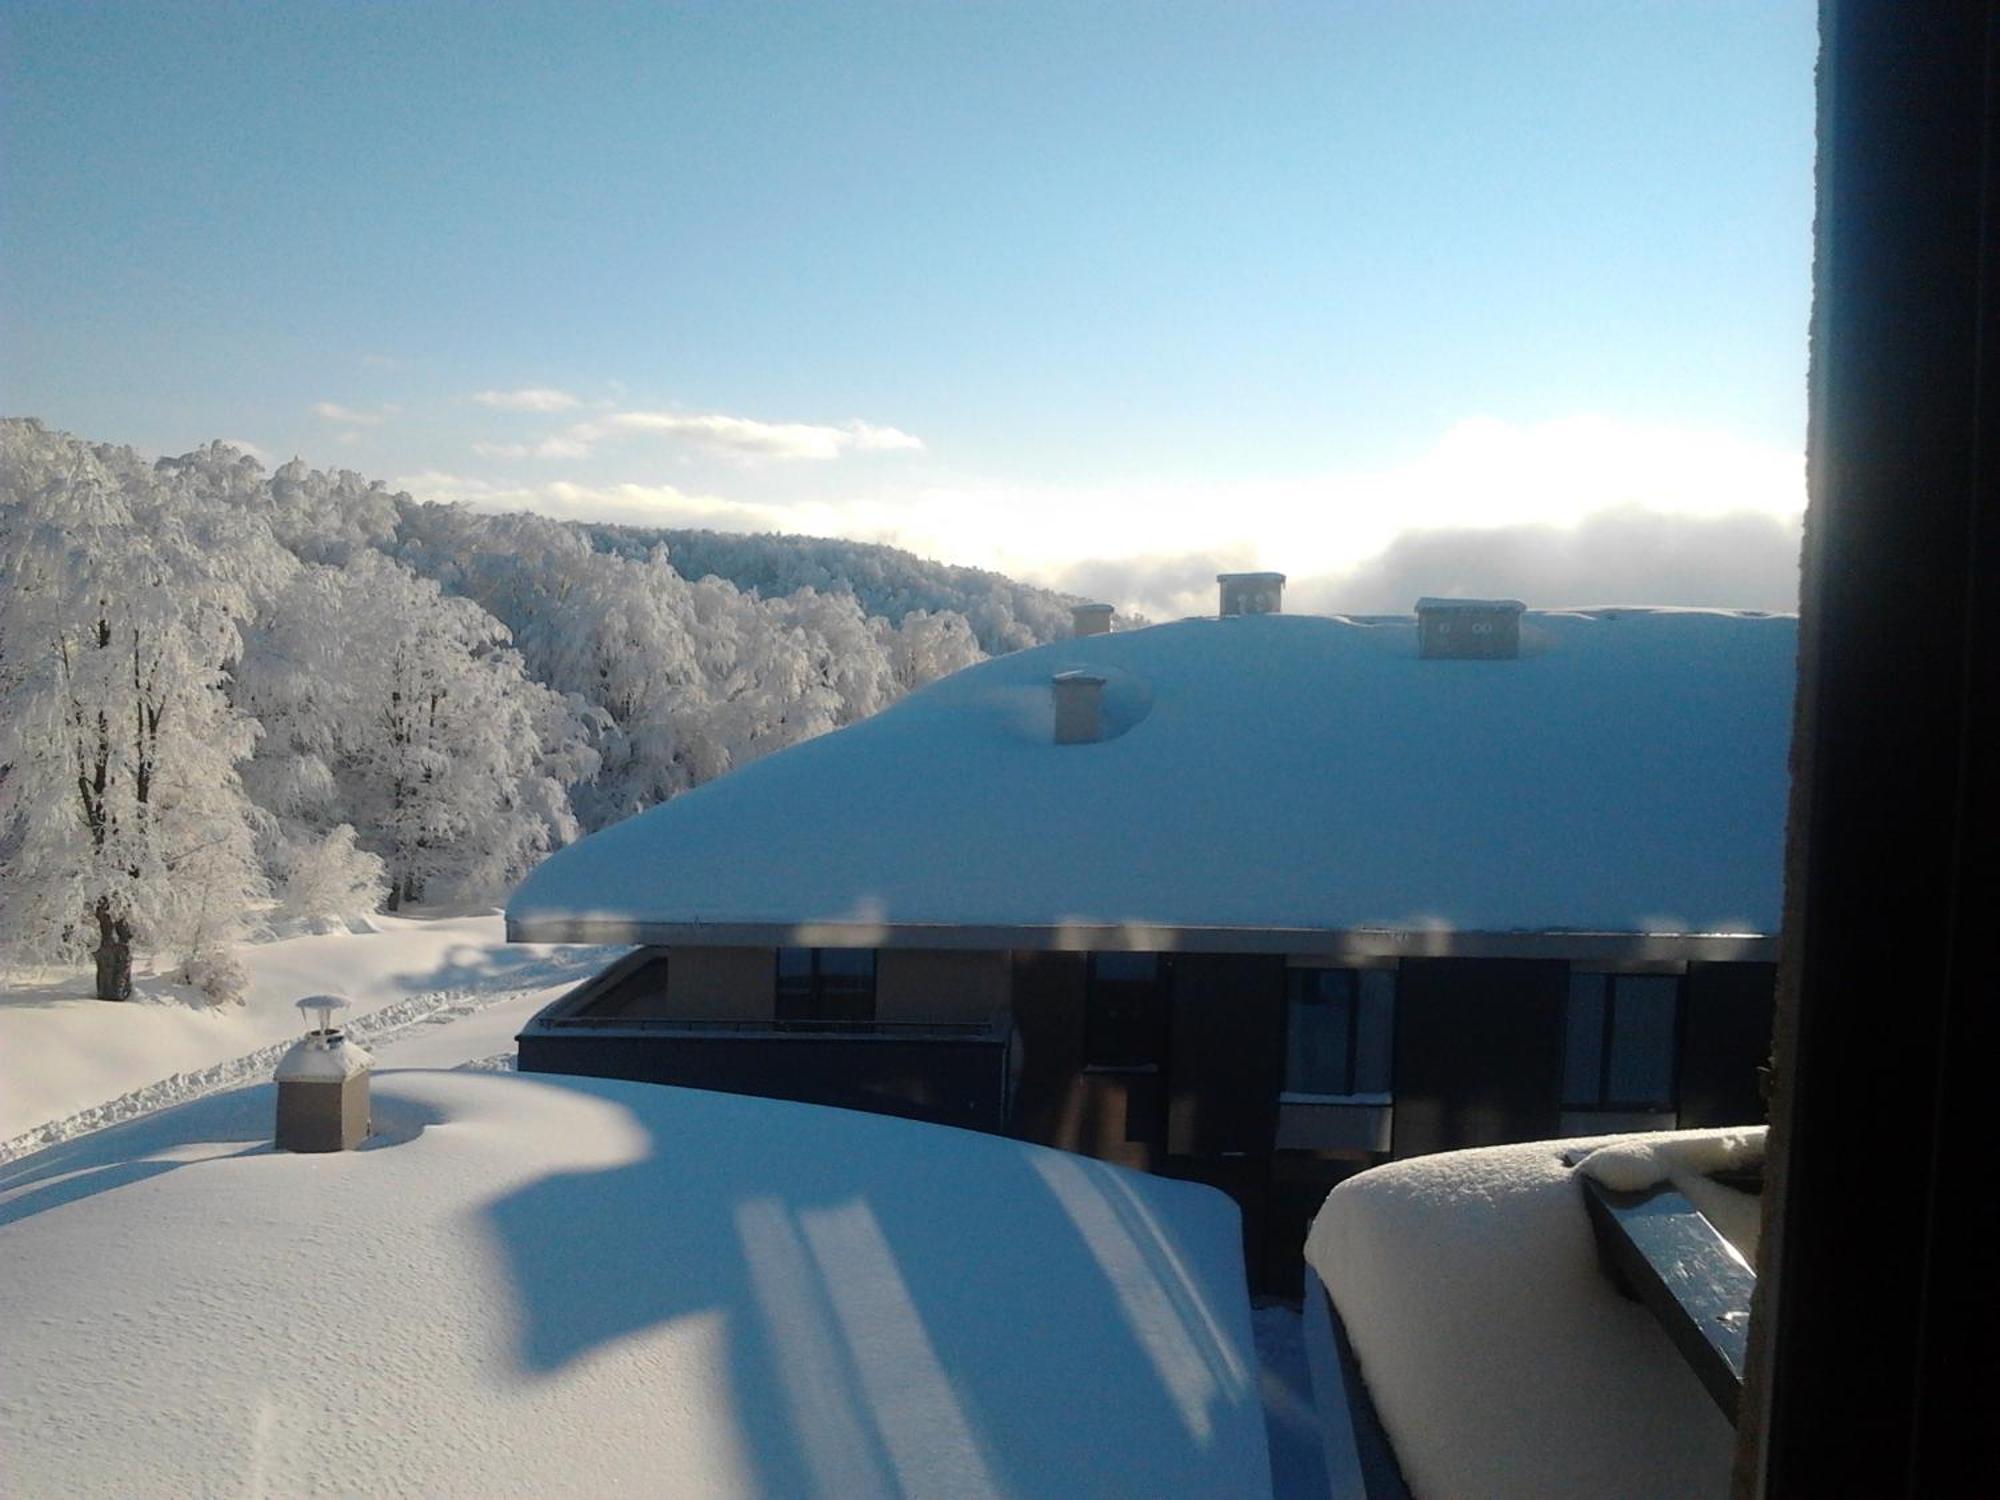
(1330, 943)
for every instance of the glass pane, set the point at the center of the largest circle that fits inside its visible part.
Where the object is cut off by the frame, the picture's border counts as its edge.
(847, 984)
(1318, 1032)
(1642, 1041)
(1125, 968)
(1125, 1015)
(848, 963)
(795, 988)
(1583, 1042)
(1375, 1033)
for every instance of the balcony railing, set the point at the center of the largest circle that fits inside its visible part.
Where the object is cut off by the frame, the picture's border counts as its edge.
(851, 1030)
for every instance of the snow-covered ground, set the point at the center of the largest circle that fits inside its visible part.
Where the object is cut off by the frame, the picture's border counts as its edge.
(69, 1063)
(531, 1286)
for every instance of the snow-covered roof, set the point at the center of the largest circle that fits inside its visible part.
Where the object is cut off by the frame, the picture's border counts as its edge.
(1501, 1359)
(1627, 774)
(568, 1286)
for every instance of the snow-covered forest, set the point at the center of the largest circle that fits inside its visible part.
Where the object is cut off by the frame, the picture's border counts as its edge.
(233, 698)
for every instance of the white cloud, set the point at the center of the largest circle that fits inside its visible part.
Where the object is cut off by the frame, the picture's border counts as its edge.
(746, 437)
(350, 416)
(869, 438)
(528, 398)
(1480, 473)
(551, 447)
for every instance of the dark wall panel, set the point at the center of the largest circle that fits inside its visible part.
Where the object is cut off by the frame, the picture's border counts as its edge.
(1725, 1038)
(1227, 1061)
(1478, 1052)
(1048, 1029)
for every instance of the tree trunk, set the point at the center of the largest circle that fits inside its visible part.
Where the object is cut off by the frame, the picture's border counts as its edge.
(114, 954)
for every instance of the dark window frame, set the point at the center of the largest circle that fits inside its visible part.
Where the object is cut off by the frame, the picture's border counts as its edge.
(817, 1008)
(1601, 1099)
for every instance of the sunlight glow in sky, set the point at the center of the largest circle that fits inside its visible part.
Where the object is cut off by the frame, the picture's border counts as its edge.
(1102, 295)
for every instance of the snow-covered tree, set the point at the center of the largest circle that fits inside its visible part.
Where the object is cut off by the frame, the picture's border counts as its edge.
(330, 876)
(400, 710)
(926, 647)
(124, 819)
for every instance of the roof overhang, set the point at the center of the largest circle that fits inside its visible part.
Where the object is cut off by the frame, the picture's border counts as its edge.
(1092, 937)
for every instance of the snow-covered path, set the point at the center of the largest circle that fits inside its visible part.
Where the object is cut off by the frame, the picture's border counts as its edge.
(428, 992)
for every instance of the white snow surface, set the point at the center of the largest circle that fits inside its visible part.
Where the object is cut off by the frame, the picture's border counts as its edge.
(69, 1063)
(1502, 1361)
(311, 1060)
(1626, 774)
(532, 1286)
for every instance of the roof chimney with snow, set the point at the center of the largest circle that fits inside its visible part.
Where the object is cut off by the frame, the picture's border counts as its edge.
(1090, 619)
(1079, 707)
(1469, 629)
(1252, 593)
(323, 1085)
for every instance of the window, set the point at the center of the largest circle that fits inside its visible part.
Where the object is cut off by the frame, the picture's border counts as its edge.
(1339, 1031)
(826, 984)
(1125, 1011)
(1620, 1041)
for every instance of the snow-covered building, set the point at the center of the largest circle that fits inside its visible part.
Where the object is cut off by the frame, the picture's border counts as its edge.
(1255, 899)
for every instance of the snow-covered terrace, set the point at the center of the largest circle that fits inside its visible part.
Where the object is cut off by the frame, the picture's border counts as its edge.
(1498, 1354)
(536, 1287)
(1278, 781)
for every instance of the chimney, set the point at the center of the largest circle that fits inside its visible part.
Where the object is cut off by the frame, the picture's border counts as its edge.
(1090, 619)
(1251, 593)
(1079, 707)
(323, 1086)
(1469, 629)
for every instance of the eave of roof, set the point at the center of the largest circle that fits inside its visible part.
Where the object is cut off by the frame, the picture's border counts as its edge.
(1301, 942)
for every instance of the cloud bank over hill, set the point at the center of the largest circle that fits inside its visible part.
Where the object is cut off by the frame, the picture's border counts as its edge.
(1582, 507)
(1742, 560)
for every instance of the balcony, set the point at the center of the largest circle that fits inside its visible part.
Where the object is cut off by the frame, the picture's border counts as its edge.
(618, 1025)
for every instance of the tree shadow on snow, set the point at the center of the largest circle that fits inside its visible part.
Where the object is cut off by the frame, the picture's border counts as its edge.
(481, 967)
(185, 1135)
(910, 1309)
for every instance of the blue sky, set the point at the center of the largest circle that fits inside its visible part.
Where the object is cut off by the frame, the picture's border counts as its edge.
(1030, 285)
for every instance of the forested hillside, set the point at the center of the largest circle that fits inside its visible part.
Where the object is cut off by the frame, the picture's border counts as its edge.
(1004, 615)
(232, 697)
